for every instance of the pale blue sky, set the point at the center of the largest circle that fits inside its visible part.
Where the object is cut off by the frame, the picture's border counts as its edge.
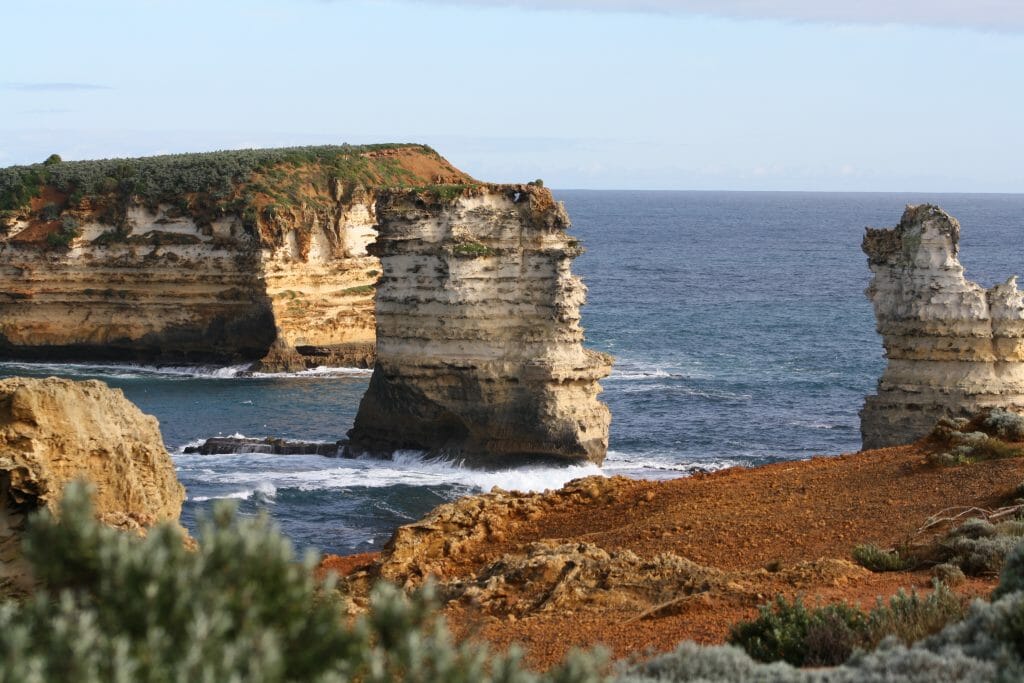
(904, 95)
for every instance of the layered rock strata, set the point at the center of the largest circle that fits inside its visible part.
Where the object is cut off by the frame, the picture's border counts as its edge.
(177, 260)
(53, 431)
(954, 347)
(479, 346)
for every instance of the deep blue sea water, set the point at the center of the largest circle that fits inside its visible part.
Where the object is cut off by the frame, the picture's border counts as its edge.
(738, 320)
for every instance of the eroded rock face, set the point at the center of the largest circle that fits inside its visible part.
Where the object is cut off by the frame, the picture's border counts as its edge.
(53, 431)
(953, 347)
(268, 265)
(297, 293)
(479, 346)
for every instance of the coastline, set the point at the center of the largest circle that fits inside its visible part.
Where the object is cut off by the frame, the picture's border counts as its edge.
(784, 528)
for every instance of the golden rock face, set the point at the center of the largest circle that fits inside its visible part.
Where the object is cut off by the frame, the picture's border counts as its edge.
(54, 431)
(953, 347)
(479, 346)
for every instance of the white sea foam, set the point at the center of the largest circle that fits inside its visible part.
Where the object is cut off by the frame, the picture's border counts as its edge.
(132, 370)
(245, 473)
(263, 492)
(319, 371)
(252, 475)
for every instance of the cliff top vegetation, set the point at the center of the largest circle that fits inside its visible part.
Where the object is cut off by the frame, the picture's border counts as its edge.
(252, 183)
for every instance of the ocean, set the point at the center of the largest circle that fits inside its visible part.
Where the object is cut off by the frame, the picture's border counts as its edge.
(738, 321)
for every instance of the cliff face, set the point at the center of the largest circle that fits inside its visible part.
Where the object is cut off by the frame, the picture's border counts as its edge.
(53, 431)
(953, 347)
(479, 347)
(225, 257)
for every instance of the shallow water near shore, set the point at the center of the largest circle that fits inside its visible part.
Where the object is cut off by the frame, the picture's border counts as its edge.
(738, 320)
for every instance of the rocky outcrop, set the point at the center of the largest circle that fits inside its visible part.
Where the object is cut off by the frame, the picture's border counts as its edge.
(230, 445)
(227, 257)
(53, 431)
(473, 549)
(479, 346)
(954, 348)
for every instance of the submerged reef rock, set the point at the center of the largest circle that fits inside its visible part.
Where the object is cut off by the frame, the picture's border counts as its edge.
(954, 348)
(53, 431)
(231, 445)
(224, 257)
(479, 346)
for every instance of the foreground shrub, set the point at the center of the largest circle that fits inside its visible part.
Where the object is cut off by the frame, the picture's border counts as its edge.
(876, 559)
(978, 547)
(959, 441)
(113, 607)
(1004, 424)
(827, 636)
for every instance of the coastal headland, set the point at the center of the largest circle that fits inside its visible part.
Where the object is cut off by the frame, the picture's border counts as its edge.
(640, 566)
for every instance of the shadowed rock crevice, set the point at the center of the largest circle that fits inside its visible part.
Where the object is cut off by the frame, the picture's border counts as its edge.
(953, 347)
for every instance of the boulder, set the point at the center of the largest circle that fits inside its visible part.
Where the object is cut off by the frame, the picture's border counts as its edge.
(54, 431)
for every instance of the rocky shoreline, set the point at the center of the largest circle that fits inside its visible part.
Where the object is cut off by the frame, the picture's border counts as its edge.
(641, 566)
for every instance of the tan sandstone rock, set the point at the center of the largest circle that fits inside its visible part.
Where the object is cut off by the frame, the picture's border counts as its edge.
(479, 346)
(273, 269)
(953, 347)
(53, 431)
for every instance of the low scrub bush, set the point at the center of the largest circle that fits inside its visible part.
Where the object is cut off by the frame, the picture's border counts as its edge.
(962, 441)
(876, 559)
(114, 607)
(827, 636)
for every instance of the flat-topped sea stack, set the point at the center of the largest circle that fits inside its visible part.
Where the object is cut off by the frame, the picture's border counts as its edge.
(224, 257)
(953, 347)
(479, 344)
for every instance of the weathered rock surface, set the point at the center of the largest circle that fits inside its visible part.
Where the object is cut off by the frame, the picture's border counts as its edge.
(270, 266)
(53, 431)
(479, 346)
(953, 347)
(229, 445)
(464, 547)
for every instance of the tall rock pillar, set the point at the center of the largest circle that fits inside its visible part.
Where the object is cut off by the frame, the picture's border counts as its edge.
(479, 344)
(953, 347)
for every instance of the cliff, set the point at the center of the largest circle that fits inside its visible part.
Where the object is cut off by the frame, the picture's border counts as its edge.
(479, 346)
(53, 431)
(226, 257)
(953, 347)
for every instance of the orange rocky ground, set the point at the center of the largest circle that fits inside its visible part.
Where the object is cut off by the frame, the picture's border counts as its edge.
(640, 566)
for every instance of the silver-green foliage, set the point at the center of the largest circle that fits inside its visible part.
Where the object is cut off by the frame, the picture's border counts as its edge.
(114, 607)
(987, 645)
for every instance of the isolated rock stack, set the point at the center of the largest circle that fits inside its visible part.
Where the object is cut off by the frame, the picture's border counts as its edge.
(953, 347)
(479, 346)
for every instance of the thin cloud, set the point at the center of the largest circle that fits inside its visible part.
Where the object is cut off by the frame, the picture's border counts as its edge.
(997, 15)
(53, 87)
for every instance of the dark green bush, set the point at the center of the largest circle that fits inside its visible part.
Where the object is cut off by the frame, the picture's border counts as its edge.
(789, 632)
(114, 607)
(827, 636)
(168, 177)
(876, 559)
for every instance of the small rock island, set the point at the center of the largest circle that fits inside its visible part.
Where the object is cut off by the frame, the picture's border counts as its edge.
(953, 347)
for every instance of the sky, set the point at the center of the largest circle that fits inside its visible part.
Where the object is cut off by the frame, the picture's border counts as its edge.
(897, 95)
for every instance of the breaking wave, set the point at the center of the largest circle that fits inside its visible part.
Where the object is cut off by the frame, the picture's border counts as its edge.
(139, 371)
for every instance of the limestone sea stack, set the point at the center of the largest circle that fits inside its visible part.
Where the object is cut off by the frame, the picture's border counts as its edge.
(479, 343)
(224, 257)
(53, 431)
(953, 347)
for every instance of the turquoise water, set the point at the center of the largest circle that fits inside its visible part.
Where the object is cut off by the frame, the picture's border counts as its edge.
(738, 320)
